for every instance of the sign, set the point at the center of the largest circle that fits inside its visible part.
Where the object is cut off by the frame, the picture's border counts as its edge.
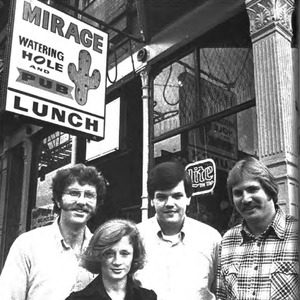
(112, 131)
(203, 176)
(57, 70)
(42, 216)
(222, 162)
(220, 137)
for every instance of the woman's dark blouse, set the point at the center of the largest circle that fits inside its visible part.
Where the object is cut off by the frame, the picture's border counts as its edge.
(96, 291)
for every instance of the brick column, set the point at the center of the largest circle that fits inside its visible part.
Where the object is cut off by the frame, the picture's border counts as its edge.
(271, 33)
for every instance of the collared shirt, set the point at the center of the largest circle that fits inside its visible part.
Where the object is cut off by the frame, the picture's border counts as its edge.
(182, 269)
(261, 268)
(41, 265)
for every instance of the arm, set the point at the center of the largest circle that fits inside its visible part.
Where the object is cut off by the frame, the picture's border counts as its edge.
(14, 276)
(221, 291)
(215, 265)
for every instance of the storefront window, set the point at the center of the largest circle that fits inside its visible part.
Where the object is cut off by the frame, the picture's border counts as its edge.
(226, 78)
(204, 110)
(225, 81)
(171, 94)
(214, 76)
(56, 153)
(225, 141)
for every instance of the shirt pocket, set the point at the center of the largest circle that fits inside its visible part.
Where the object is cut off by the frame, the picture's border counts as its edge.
(284, 280)
(230, 277)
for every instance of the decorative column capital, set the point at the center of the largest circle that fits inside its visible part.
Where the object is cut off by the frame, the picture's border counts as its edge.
(268, 16)
(145, 78)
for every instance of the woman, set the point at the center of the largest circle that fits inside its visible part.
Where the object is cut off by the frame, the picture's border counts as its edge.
(115, 252)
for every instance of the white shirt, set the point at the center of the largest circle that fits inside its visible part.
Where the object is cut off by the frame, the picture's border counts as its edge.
(182, 270)
(41, 266)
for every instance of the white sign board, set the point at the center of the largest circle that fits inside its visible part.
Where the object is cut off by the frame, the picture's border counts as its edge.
(57, 69)
(112, 133)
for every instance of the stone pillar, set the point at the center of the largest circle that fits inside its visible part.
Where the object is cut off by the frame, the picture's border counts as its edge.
(3, 191)
(145, 98)
(271, 33)
(27, 159)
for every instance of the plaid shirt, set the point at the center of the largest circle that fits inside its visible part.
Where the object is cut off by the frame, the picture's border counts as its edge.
(264, 267)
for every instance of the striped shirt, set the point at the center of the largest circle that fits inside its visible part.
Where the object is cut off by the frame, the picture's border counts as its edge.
(260, 268)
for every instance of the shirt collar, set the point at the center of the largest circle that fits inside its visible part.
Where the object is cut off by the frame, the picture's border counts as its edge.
(279, 223)
(98, 285)
(159, 232)
(57, 234)
(277, 226)
(93, 290)
(59, 238)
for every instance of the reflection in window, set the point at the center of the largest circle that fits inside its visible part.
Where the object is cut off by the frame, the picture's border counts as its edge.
(214, 138)
(226, 80)
(199, 103)
(225, 141)
(56, 153)
(171, 94)
(168, 146)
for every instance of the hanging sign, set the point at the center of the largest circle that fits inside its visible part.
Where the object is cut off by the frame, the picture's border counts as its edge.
(57, 68)
(203, 176)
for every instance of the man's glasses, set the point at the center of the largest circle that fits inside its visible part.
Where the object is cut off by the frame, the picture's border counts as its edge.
(77, 194)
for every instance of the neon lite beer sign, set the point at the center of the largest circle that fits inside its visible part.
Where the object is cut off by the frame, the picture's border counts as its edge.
(203, 176)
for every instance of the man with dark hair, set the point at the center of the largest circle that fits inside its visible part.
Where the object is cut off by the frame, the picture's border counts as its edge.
(44, 263)
(181, 253)
(258, 258)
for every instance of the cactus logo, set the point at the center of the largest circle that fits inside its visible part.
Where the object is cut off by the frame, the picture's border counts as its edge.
(82, 80)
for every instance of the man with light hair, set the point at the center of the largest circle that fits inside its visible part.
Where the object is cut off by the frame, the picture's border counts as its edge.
(259, 257)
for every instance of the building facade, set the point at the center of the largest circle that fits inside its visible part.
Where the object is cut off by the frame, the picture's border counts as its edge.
(186, 81)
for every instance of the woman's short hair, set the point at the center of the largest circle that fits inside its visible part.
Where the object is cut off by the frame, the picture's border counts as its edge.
(81, 174)
(251, 168)
(105, 237)
(166, 176)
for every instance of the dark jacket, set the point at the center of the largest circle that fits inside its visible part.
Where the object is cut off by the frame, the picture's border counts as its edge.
(96, 291)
